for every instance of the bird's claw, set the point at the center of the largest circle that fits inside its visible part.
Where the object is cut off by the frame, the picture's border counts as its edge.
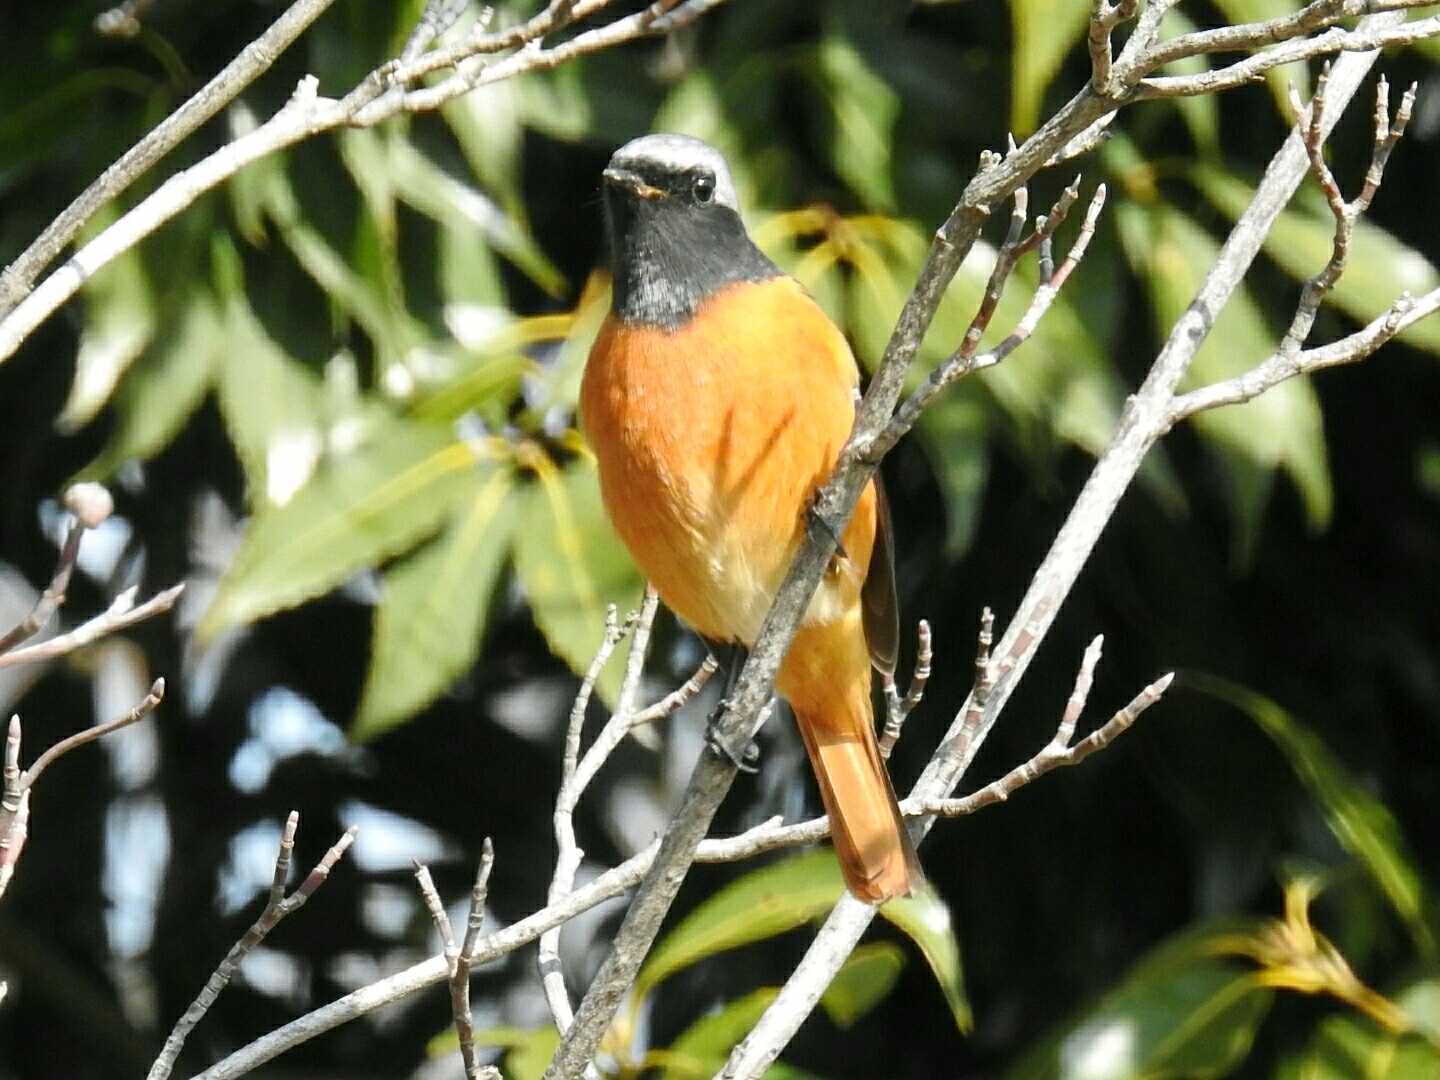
(746, 759)
(816, 524)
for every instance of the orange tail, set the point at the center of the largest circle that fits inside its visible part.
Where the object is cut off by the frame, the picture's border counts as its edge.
(836, 722)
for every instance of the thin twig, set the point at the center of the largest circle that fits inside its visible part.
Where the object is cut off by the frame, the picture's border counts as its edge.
(1290, 359)
(377, 97)
(121, 614)
(1103, 21)
(898, 709)
(277, 907)
(90, 734)
(253, 61)
(1058, 752)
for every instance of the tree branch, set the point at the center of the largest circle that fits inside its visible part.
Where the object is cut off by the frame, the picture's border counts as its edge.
(277, 906)
(254, 60)
(377, 97)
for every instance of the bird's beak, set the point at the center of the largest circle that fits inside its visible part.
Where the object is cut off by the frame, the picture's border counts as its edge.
(631, 182)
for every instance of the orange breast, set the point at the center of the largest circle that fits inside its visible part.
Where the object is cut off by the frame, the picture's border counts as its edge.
(711, 440)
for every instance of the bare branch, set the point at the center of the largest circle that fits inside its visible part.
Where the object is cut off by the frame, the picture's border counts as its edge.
(90, 734)
(277, 906)
(678, 698)
(1290, 360)
(1058, 752)
(898, 709)
(964, 361)
(1362, 39)
(1103, 21)
(121, 614)
(53, 596)
(253, 61)
(377, 97)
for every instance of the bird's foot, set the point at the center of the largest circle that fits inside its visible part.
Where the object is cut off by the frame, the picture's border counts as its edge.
(816, 524)
(746, 758)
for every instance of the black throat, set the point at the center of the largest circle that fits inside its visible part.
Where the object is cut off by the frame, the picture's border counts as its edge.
(668, 256)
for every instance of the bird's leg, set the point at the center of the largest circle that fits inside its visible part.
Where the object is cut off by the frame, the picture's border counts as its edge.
(732, 658)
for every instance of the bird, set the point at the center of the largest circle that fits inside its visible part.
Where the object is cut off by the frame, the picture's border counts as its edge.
(716, 399)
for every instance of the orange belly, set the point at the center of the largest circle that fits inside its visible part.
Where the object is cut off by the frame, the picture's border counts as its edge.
(711, 440)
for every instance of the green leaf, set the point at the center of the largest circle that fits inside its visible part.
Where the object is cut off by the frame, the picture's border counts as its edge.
(1380, 266)
(272, 407)
(571, 565)
(438, 195)
(1351, 1044)
(487, 124)
(701, 1049)
(785, 895)
(926, 919)
(1044, 32)
(766, 902)
(1361, 823)
(431, 616)
(164, 389)
(863, 981)
(1195, 1021)
(530, 1049)
(863, 113)
(120, 320)
(1281, 429)
(362, 507)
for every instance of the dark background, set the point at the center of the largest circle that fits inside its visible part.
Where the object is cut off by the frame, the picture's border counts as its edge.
(1056, 894)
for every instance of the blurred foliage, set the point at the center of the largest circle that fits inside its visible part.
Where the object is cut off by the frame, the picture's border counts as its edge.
(338, 396)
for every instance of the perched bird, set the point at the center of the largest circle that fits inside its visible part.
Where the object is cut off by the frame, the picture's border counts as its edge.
(717, 397)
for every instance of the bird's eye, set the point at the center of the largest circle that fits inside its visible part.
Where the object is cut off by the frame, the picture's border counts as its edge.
(703, 188)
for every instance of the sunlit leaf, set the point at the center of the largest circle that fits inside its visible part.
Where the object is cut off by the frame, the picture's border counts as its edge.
(863, 981)
(272, 406)
(362, 507)
(571, 565)
(438, 195)
(1281, 429)
(1179, 1013)
(530, 1048)
(487, 125)
(1380, 268)
(431, 616)
(1360, 821)
(788, 894)
(701, 1049)
(864, 109)
(120, 319)
(165, 388)
(1044, 32)
(926, 919)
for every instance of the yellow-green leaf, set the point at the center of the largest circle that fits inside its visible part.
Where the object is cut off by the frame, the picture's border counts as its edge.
(164, 388)
(530, 1048)
(1281, 429)
(571, 565)
(785, 895)
(119, 322)
(1044, 32)
(1180, 1014)
(863, 981)
(864, 110)
(362, 507)
(1381, 267)
(1361, 823)
(431, 616)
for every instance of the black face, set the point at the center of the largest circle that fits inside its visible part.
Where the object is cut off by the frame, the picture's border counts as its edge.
(672, 241)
